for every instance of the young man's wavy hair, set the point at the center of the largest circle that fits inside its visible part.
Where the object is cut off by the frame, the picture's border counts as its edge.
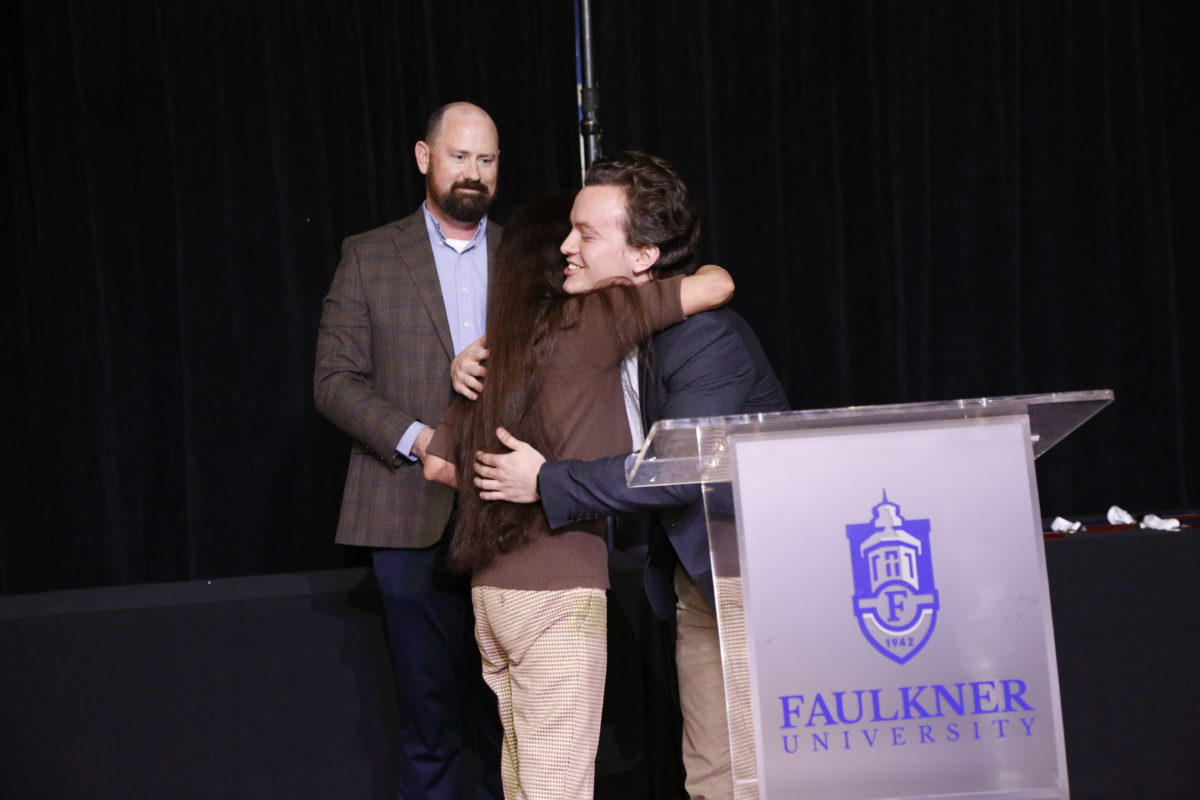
(527, 311)
(659, 211)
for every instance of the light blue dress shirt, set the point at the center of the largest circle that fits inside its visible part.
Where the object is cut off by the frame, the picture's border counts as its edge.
(463, 277)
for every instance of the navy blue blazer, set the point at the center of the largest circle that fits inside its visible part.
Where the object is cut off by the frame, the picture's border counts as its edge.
(711, 364)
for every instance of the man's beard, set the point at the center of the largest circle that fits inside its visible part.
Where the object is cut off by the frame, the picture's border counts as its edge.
(461, 206)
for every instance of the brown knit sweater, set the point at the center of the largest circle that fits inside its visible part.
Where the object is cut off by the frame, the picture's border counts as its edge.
(584, 410)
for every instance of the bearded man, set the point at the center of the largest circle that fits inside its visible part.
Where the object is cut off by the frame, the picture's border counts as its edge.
(406, 299)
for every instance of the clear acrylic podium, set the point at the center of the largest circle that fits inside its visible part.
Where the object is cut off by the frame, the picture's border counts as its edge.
(881, 588)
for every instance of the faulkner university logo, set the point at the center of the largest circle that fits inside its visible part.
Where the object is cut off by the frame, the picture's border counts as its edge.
(895, 599)
(896, 604)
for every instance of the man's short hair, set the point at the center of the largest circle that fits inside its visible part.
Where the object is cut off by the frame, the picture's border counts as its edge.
(659, 211)
(434, 125)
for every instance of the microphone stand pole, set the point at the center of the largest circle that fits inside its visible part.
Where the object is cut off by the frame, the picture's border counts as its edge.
(585, 84)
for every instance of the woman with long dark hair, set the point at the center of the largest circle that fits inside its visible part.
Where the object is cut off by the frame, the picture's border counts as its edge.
(554, 380)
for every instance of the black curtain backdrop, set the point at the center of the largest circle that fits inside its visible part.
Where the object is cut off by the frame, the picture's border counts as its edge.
(919, 200)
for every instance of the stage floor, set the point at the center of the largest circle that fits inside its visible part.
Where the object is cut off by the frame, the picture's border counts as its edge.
(277, 686)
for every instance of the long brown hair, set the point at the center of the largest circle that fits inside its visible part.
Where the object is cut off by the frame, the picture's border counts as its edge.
(527, 309)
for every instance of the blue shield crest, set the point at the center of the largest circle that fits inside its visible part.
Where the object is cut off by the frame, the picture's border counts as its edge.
(895, 599)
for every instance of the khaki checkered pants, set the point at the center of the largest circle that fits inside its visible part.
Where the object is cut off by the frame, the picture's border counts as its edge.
(544, 655)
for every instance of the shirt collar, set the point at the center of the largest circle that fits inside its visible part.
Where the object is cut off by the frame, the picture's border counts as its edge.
(435, 228)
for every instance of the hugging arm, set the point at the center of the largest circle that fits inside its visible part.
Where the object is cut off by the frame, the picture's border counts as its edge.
(570, 489)
(573, 490)
(439, 470)
(709, 373)
(708, 288)
(434, 464)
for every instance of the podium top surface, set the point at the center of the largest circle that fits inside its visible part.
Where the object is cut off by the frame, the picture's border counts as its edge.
(679, 451)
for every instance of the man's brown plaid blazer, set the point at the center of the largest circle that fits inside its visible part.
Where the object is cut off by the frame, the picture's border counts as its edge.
(383, 360)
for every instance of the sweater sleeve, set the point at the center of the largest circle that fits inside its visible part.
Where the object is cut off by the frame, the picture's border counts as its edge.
(444, 442)
(662, 300)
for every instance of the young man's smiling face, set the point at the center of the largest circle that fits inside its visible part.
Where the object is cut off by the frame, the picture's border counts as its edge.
(596, 249)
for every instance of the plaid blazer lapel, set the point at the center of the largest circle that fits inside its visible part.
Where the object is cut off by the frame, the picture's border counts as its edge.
(412, 243)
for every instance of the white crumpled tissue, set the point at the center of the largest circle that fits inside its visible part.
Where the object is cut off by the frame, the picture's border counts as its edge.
(1157, 523)
(1153, 522)
(1060, 525)
(1119, 516)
